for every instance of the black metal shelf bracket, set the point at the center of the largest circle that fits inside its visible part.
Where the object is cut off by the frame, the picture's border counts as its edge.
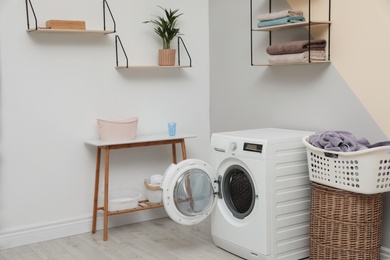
(329, 19)
(309, 31)
(251, 29)
(105, 4)
(179, 39)
(30, 9)
(118, 39)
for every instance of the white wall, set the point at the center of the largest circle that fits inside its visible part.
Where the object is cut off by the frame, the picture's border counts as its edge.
(54, 86)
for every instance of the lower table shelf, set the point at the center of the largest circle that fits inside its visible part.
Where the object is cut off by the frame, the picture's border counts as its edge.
(142, 205)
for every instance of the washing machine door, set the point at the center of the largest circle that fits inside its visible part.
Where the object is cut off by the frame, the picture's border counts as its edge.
(189, 191)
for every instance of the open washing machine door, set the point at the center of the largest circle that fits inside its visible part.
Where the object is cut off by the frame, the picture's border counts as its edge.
(189, 191)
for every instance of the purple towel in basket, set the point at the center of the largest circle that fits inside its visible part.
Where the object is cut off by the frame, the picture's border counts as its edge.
(342, 141)
(338, 141)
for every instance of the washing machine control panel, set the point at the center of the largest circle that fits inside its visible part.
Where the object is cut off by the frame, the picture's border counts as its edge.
(249, 147)
(239, 147)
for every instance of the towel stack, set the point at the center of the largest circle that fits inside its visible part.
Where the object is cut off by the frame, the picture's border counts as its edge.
(279, 18)
(297, 51)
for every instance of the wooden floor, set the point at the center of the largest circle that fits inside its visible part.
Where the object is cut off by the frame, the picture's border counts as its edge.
(156, 239)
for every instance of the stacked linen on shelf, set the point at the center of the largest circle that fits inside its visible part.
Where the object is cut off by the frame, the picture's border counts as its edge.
(297, 57)
(297, 51)
(279, 18)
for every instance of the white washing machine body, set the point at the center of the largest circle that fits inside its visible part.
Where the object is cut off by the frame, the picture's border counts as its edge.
(256, 189)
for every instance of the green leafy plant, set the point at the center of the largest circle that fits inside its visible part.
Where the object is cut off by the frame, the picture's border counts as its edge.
(166, 26)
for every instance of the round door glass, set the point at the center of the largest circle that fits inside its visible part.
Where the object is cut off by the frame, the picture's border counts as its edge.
(193, 193)
(238, 191)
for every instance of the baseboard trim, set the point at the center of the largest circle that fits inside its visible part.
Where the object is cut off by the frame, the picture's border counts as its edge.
(385, 253)
(40, 233)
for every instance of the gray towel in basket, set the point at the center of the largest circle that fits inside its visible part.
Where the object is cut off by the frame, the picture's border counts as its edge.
(342, 141)
(338, 141)
(383, 143)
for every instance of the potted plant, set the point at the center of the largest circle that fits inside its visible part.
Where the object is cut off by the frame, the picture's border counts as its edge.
(167, 29)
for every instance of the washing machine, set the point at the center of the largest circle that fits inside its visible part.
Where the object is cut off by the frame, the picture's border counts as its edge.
(256, 189)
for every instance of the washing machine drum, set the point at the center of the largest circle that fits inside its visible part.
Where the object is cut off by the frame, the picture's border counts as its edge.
(238, 191)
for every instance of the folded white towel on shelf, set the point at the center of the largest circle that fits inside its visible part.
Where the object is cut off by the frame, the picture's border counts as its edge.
(297, 57)
(280, 14)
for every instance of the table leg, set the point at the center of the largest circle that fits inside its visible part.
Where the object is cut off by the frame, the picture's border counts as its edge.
(183, 149)
(96, 192)
(106, 169)
(174, 153)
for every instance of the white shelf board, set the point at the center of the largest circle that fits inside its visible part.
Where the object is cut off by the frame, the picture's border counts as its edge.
(45, 30)
(292, 63)
(291, 25)
(152, 67)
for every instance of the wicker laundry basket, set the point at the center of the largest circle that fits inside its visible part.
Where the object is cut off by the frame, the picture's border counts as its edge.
(344, 224)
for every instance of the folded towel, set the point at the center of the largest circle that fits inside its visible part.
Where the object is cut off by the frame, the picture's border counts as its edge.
(296, 47)
(279, 21)
(339, 141)
(280, 14)
(297, 57)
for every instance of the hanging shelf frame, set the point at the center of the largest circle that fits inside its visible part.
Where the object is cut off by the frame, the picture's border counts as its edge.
(308, 24)
(118, 43)
(30, 10)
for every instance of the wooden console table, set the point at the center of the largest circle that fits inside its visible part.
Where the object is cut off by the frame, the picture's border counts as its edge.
(140, 141)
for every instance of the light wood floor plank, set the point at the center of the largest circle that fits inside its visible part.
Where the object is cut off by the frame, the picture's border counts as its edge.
(79, 249)
(20, 253)
(115, 248)
(51, 250)
(160, 239)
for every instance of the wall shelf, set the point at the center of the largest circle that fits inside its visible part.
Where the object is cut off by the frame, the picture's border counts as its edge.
(152, 67)
(180, 41)
(292, 25)
(308, 24)
(36, 29)
(45, 30)
(292, 63)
